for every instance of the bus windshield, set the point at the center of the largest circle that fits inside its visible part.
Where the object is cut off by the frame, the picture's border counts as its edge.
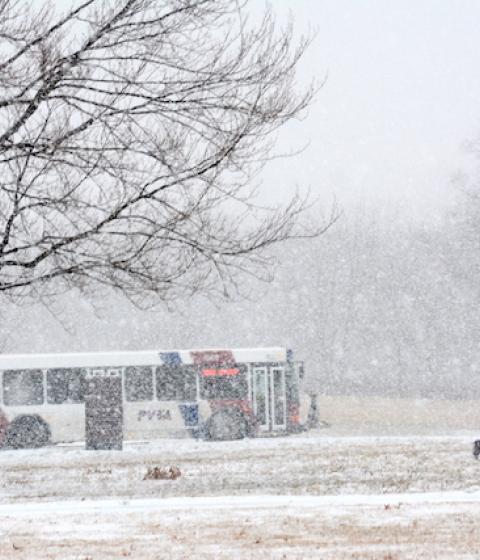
(224, 384)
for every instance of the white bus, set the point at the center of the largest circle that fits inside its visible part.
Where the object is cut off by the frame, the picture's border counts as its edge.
(212, 394)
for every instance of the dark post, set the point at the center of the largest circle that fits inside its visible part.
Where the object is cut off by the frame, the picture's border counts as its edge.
(104, 409)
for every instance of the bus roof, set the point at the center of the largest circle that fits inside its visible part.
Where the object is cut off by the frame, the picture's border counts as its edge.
(142, 358)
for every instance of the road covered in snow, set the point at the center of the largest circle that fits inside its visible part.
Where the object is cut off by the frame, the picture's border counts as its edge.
(299, 497)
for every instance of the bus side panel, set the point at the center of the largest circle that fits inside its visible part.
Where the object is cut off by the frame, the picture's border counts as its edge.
(66, 422)
(149, 420)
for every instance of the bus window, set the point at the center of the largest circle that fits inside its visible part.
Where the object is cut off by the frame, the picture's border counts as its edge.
(176, 383)
(223, 384)
(23, 387)
(65, 386)
(138, 384)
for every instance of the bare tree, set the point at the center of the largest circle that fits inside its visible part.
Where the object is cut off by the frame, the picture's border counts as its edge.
(130, 131)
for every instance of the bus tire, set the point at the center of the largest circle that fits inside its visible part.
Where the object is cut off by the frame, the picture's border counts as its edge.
(26, 432)
(226, 425)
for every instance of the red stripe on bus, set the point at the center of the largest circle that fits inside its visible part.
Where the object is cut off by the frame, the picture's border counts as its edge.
(213, 358)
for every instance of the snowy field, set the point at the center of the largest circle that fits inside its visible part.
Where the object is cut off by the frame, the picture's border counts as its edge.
(315, 496)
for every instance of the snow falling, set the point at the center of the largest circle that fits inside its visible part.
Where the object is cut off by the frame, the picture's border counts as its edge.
(239, 261)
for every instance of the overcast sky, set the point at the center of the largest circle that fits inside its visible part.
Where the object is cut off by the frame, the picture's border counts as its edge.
(401, 98)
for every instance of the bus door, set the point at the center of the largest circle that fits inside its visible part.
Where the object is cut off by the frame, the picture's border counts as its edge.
(269, 397)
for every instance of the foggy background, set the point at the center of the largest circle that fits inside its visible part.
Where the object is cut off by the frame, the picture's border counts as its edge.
(385, 303)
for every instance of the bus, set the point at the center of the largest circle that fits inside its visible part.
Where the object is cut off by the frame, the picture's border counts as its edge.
(218, 394)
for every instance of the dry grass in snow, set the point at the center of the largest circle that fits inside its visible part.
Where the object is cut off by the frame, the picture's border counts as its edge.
(300, 497)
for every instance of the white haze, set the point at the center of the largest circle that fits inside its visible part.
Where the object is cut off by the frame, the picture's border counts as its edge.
(400, 100)
(385, 303)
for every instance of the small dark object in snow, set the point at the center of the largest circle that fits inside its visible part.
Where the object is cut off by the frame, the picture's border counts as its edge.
(476, 448)
(388, 507)
(157, 473)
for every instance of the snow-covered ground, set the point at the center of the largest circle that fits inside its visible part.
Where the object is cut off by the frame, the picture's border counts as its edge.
(311, 496)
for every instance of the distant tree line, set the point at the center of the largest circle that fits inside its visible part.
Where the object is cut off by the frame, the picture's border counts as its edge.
(374, 307)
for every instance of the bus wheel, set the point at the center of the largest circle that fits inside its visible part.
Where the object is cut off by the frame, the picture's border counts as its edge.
(228, 424)
(26, 432)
